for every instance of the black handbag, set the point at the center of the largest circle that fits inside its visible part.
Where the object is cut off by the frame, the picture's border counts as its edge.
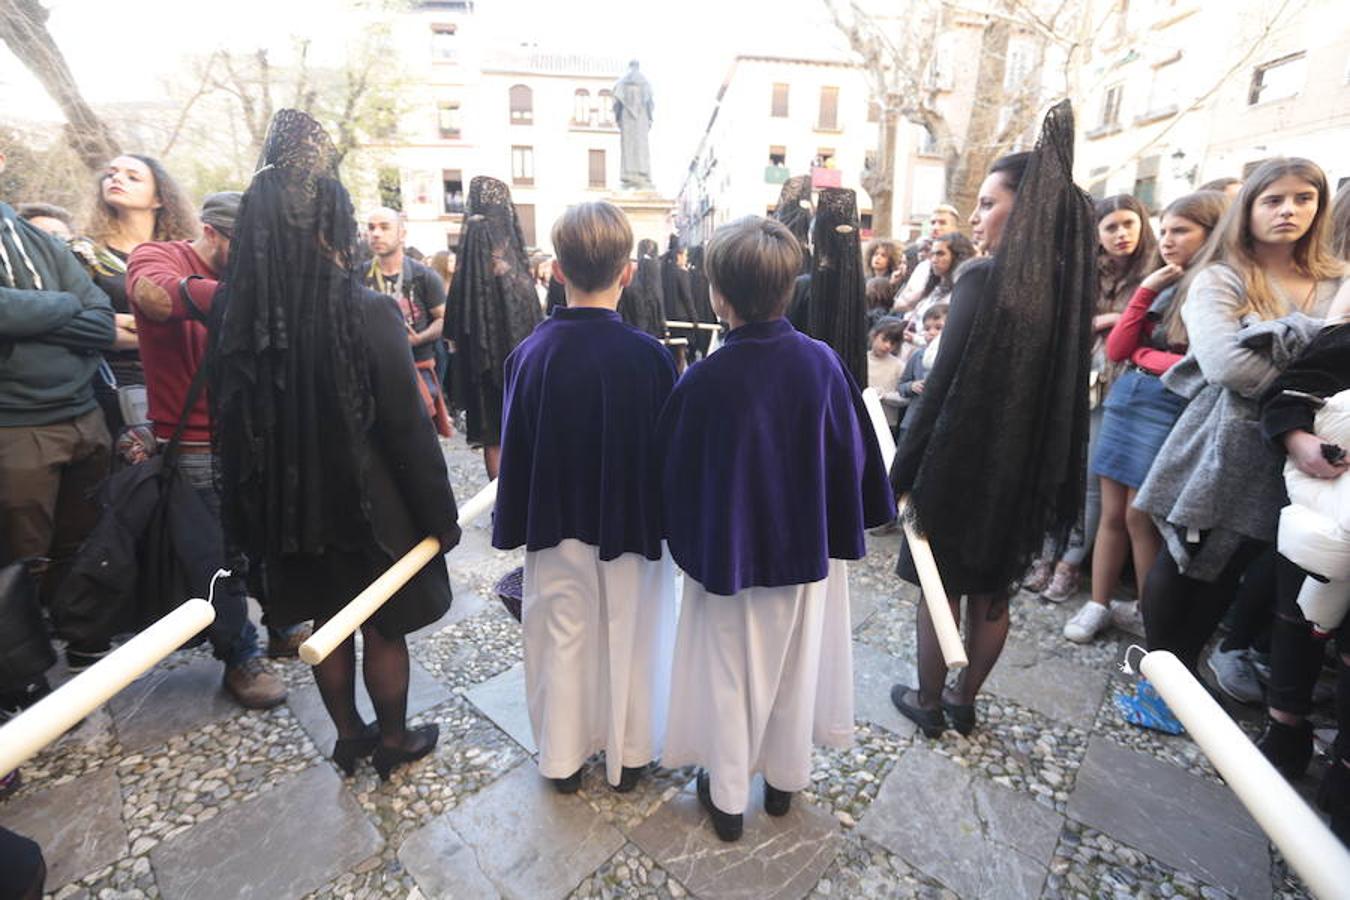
(25, 651)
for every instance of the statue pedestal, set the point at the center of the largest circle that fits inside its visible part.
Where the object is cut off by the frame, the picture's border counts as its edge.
(649, 214)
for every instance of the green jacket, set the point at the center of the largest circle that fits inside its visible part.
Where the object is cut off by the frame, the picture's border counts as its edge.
(51, 340)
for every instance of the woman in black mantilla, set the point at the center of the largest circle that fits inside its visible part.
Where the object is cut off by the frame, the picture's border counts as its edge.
(642, 303)
(831, 305)
(493, 306)
(329, 467)
(794, 211)
(994, 456)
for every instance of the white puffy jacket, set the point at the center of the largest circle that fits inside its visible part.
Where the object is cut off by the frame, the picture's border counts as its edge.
(1315, 527)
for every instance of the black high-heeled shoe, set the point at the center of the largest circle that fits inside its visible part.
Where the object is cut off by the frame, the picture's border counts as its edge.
(961, 715)
(932, 722)
(423, 741)
(348, 750)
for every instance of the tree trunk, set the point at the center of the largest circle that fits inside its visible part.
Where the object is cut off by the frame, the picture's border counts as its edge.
(965, 170)
(879, 181)
(23, 27)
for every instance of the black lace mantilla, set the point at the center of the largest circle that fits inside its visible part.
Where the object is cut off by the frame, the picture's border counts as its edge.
(837, 313)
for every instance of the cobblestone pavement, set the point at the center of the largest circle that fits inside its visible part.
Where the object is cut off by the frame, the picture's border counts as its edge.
(177, 793)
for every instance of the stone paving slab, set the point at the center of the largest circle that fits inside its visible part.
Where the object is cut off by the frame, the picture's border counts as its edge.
(1189, 823)
(424, 692)
(502, 699)
(874, 672)
(775, 859)
(978, 838)
(168, 702)
(291, 840)
(518, 838)
(1061, 690)
(77, 824)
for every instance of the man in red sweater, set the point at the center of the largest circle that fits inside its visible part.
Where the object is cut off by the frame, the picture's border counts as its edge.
(173, 341)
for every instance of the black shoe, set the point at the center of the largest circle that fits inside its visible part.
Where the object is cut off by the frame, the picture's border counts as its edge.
(348, 750)
(776, 802)
(572, 783)
(79, 659)
(1288, 747)
(629, 778)
(962, 716)
(418, 743)
(14, 702)
(930, 721)
(1333, 796)
(727, 825)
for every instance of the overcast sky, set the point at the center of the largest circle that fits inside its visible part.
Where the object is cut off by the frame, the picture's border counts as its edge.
(125, 51)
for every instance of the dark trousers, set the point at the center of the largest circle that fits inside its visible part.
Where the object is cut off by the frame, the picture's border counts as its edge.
(233, 637)
(1295, 655)
(1180, 613)
(48, 474)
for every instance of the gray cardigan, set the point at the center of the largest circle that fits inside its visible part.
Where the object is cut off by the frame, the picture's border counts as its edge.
(1216, 482)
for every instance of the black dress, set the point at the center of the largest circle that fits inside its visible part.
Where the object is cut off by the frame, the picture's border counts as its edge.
(409, 495)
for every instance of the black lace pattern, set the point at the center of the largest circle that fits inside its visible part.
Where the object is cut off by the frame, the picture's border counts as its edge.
(837, 313)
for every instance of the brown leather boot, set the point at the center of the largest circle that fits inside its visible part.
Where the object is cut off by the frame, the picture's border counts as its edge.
(282, 644)
(253, 687)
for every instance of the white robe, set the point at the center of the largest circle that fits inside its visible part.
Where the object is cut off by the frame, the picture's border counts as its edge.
(598, 642)
(757, 676)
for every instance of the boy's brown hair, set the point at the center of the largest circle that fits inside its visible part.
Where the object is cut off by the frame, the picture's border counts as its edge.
(752, 262)
(593, 242)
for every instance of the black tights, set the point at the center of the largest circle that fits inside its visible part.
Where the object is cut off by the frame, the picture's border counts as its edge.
(986, 631)
(1180, 613)
(384, 667)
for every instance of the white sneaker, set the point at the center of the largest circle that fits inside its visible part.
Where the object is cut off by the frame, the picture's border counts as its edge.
(1125, 616)
(1087, 622)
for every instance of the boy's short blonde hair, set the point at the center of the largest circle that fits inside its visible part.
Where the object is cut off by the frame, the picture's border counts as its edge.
(753, 262)
(593, 242)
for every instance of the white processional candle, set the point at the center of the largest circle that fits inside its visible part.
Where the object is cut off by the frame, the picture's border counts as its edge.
(63, 708)
(352, 616)
(1309, 847)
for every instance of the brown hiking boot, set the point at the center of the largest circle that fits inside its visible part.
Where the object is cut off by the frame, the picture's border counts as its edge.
(253, 687)
(286, 644)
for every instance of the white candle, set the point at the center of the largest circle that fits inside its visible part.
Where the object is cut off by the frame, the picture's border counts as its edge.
(1310, 848)
(63, 708)
(352, 616)
(930, 580)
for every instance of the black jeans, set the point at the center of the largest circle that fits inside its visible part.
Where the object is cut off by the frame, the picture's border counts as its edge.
(1180, 613)
(1295, 655)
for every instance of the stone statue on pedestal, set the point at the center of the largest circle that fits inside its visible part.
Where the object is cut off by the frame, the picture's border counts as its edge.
(633, 113)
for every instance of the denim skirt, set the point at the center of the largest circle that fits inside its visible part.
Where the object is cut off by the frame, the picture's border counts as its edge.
(1138, 415)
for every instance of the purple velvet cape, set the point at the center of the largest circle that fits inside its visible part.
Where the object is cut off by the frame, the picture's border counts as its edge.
(581, 398)
(770, 466)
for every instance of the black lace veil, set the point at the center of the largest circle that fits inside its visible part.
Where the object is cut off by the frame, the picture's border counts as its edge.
(837, 310)
(642, 304)
(493, 305)
(1004, 464)
(702, 299)
(794, 211)
(290, 390)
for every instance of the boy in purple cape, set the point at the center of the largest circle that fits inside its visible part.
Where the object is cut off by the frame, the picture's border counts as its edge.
(578, 487)
(770, 474)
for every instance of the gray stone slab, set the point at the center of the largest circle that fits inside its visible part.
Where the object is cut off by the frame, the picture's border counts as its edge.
(502, 699)
(164, 703)
(297, 836)
(977, 838)
(1189, 823)
(874, 672)
(78, 825)
(518, 838)
(1056, 688)
(775, 859)
(424, 692)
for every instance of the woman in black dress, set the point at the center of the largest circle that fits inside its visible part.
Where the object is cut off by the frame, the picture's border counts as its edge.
(329, 468)
(995, 453)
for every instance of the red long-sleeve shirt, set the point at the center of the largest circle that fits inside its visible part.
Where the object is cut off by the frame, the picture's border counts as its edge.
(1126, 340)
(172, 350)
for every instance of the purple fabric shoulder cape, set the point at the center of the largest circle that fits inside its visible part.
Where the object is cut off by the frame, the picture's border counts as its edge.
(582, 394)
(769, 466)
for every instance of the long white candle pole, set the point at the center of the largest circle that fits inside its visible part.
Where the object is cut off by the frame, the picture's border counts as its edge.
(1310, 848)
(352, 616)
(63, 708)
(930, 580)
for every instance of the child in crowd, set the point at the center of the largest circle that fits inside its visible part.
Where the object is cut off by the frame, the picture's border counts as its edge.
(884, 367)
(578, 489)
(770, 473)
(916, 370)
